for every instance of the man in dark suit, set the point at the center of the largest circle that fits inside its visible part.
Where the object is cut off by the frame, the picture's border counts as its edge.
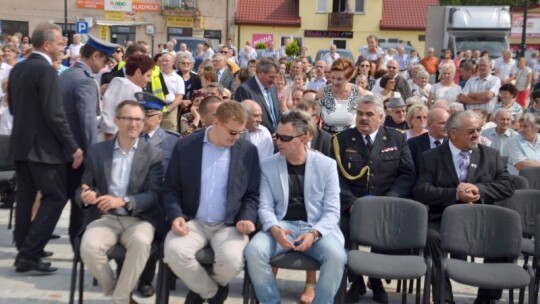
(460, 171)
(262, 90)
(41, 141)
(211, 196)
(372, 160)
(434, 137)
(224, 76)
(121, 181)
(80, 95)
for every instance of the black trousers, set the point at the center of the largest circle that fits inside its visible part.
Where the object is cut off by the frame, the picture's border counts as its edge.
(76, 217)
(31, 237)
(434, 249)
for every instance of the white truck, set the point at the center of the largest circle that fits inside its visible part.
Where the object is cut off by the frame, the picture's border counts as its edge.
(461, 28)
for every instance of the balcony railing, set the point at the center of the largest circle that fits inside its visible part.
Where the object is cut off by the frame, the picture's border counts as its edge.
(186, 8)
(340, 21)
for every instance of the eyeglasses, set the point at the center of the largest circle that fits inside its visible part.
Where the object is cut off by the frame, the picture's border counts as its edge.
(185, 63)
(233, 132)
(285, 138)
(421, 117)
(131, 119)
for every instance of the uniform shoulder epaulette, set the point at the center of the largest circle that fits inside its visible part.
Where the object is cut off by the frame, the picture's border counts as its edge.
(88, 74)
(172, 133)
(394, 129)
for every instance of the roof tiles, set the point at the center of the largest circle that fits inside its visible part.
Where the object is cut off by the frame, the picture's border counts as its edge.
(268, 12)
(405, 15)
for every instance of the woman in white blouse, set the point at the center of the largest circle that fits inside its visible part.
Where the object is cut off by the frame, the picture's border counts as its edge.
(524, 149)
(445, 89)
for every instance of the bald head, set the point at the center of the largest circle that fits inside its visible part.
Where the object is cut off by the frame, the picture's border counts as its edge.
(503, 120)
(254, 115)
(441, 104)
(436, 122)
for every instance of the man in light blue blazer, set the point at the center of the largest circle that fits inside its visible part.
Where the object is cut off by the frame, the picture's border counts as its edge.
(299, 209)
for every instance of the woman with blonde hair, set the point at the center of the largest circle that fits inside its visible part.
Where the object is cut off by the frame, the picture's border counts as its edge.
(445, 89)
(416, 120)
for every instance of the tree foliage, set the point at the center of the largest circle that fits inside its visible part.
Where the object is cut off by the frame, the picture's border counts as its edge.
(513, 3)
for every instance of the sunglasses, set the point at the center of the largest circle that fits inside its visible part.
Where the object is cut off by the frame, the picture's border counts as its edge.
(233, 132)
(285, 138)
(119, 51)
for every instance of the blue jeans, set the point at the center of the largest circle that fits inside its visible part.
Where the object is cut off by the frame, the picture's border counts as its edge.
(328, 251)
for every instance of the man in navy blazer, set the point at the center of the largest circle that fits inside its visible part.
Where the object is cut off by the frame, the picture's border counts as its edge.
(299, 210)
(434, 137)
(211, 196)
(41, 143)
(261, 89)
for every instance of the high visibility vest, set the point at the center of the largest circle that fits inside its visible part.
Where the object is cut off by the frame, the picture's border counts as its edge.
(155, 82)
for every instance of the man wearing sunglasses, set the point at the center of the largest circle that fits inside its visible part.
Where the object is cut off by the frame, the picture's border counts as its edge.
(295, 219)
(372, 160)
(459, 171)
(211, 195)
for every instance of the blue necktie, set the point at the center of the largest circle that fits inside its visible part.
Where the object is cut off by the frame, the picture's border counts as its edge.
(272, 110)
(146, 137)
(463, 166)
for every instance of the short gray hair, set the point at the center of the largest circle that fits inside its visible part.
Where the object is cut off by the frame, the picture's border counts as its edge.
(266, 64)
(44, 32)
(372, 99)
(453, 121)
(530, 119)
(299, 119)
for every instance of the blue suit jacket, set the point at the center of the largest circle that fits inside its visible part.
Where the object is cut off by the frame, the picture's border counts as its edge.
(321, 193)
(182, 186)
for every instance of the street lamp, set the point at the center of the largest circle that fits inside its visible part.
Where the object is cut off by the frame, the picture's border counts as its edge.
(524, 31)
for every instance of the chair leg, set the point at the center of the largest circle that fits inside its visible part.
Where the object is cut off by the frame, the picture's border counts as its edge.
(404, 292)
(398, 286)
(442, 280)
(81, 281)
(418, 282)
(11, 196)
(510, 296)
(427, 281)
(159, 283)
(73, 284)
(411, 284)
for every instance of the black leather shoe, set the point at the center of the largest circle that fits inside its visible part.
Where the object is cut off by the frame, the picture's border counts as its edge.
(45, 254)
(379, 294)
(6, 205)
(54, 236)
(484, 301)
(193, 298)
(24, 265)
(357, 289)
(221, 295)
(146, 290)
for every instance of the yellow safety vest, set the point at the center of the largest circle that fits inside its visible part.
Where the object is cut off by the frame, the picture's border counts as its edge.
(157, 90)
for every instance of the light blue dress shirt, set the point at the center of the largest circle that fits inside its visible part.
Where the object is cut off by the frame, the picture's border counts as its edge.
(214, 181)
(519, 150)
(120, 172)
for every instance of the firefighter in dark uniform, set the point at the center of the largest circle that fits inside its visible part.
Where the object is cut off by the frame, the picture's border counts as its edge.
(372, 160)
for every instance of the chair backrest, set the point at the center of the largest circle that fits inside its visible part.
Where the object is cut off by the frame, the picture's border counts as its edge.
(532, 175)
(537, 239)
(6, 163)
(484, 231)
(520, 182)
(527, 204)
(388, 223)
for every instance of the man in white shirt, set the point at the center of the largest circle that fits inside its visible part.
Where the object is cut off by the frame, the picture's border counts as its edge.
(501, 134)
(319, 81)
(480, 92)
(175, 85)
(331, 56)
(75, 48)
(505, 67)
(255, 133)
(169, 48)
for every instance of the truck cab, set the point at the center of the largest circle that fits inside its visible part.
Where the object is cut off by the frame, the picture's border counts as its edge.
(461, 28)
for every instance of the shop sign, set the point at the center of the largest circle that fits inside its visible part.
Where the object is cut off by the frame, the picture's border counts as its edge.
(264, 38)
(175, 21)
(136, 5)
(145, 7)
(532, 28)
(198, 33)
(104, 32)
(123, 16)
(327, 34)
(118, 5)
(96, 4)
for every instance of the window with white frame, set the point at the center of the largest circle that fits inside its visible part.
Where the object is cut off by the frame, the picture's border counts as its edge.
(321, 6)
(357, 6)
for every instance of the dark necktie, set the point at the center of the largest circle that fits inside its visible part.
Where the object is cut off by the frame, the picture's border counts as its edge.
(369, 143)
(437, 143)
(271, 108)
(146, 137)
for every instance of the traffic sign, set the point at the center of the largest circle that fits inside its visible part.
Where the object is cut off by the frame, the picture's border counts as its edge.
(82, 27)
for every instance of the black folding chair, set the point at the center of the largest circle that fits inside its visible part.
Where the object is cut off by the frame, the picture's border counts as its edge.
(395, 225)
(532, 175)
(8, 185)
(489, 232)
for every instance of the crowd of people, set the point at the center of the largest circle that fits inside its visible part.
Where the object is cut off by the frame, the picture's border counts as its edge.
(251, 156)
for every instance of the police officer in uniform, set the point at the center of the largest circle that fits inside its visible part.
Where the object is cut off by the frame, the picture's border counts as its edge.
(372, 160)
(165, 140)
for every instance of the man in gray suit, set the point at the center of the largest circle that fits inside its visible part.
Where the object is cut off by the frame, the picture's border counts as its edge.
(80, 96)
(224, 76)
(122, 179)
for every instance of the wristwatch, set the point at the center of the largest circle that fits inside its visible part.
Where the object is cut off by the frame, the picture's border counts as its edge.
(316, 234)
(127, 202)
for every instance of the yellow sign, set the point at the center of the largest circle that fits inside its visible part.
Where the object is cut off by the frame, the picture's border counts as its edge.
(198, 33)
(175, 21)
(123, 16)
(104, 32)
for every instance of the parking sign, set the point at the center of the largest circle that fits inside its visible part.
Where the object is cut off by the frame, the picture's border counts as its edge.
(82, 27)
